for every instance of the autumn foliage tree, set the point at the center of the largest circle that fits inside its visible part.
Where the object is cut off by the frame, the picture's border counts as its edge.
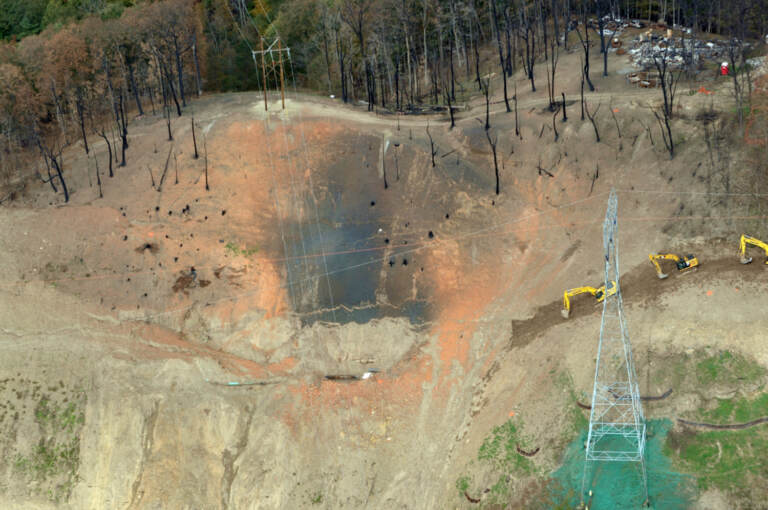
(91, 77)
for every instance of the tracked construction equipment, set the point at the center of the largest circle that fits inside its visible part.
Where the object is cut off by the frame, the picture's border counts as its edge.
(745, 240)
(683, 263)
(599, 294)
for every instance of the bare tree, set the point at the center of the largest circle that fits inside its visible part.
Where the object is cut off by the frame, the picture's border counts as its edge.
(102, 133)
(432, 148)
(584, 40)
(615, 120)
(554, 124)
(517, 124)
(592, 120)
(52, 154)
(741, 78)
(565, 116)
(582, 91)
(194, 139)
(485, 85)
(527, 32)
(600, 8)
(501, 53)
(493, 142)
(98, 175)
(668, 81)
(205, 150)
(551, 68)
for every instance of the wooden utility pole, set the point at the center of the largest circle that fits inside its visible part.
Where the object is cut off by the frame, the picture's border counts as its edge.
(272, 66)
(282, 82)
(264, 73)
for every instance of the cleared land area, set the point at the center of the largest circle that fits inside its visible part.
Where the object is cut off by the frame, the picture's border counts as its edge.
(131, 380)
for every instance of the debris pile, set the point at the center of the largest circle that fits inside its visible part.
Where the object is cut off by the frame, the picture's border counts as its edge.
(677, 51)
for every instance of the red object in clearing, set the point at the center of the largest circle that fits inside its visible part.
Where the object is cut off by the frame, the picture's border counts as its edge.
(724, 69)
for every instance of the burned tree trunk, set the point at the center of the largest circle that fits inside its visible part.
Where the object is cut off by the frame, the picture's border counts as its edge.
(565, 116)
(81, 117)
(98, 175)
(123, 132)
(205, 150)
(501, 54)
(134, 88)
(487, 104)
(493, 144)
(179, 69)
(592, 120)
(432, 149)
(517, 125)
(55, 162)
(194, 139)
(582, 93)
(103, 134)
(668, 82)
(585, 46)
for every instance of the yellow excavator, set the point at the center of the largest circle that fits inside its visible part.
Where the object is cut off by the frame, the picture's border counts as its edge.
(745, 240)
(683, 263)
(599, 294)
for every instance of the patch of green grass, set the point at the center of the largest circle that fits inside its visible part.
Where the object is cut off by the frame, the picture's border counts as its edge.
(235, 250)
(575, 420)
(500, 449)
(739, 410)
(52, 418)
(499, 453)
(317, 498)
(726, 367)
(462, 484)
(54, 461)
(722, 459)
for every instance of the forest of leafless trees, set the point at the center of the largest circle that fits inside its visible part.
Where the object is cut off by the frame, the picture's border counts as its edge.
(87, 78)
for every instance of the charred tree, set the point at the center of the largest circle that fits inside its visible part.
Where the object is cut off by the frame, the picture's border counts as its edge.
(205, 151)
(53, 156)
(584, 40)
(432, 148)
(81, 118)
(194, 139)
(565, 116)
(517, 124)
(668, 81)
(103, 134)
(98, 175)
(527, 32)
(493, 143)
(601, 30)
(501, 54)
(591, 117)
(486, 92)
(123, 132)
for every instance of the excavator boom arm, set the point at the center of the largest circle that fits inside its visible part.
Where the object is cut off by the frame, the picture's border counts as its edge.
(745, 240)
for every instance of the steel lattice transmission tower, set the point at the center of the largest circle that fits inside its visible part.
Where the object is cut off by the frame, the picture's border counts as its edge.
(616, 422)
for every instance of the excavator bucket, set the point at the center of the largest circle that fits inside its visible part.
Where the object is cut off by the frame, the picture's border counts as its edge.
(745, 240)
(565, 313)
(683, 263)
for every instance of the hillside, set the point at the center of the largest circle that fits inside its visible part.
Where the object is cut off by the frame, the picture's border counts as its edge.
(301, 335)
